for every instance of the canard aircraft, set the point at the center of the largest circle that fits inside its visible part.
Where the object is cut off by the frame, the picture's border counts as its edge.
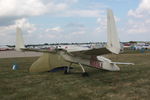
(82, 57)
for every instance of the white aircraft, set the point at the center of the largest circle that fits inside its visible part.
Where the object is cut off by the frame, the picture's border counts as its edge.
(82, 57)
(5, 48)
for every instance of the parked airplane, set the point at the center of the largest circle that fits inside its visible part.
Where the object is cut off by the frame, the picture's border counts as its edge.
(5, 48)
(82, 57)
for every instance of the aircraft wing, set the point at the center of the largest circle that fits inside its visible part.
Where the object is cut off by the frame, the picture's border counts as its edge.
(113, 43)
(37, 50)
(94, 51)
(21, 47)
(112, 46)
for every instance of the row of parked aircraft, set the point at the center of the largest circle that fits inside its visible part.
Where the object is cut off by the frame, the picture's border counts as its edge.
(5, 48)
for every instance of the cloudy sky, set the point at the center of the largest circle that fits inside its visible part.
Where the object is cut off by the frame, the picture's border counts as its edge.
(56, 21)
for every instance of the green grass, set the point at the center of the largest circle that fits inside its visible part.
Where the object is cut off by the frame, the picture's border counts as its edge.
(131, 83)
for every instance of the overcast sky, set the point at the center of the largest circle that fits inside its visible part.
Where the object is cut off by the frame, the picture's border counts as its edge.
(52, 21)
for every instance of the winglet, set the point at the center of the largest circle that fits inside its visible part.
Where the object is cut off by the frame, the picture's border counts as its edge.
(19, 39)
(113, 43)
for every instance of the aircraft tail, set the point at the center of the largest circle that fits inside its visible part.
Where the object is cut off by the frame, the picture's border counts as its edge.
(19, 39)
(113, 43)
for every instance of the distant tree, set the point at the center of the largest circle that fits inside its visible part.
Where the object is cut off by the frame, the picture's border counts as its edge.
(45, 43)
(132, 42)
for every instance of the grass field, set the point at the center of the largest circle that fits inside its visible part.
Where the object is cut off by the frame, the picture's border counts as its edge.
(131, 83)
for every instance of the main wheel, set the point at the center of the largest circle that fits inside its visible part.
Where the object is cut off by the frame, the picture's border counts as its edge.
(85, 74)
(66, 72)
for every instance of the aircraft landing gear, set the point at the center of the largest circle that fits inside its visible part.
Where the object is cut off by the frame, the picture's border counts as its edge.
(84, 74)
(67, 71)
